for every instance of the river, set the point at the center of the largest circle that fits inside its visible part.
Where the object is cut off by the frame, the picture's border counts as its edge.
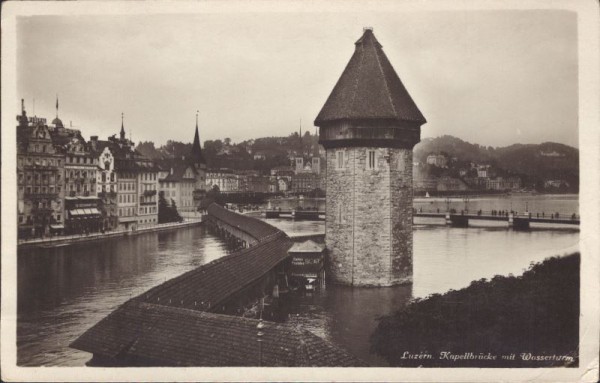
(64, 291)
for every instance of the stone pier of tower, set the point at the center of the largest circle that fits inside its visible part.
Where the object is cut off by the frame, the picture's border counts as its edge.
(368, 127)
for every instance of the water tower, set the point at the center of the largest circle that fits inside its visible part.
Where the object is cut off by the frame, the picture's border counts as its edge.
(369, 126)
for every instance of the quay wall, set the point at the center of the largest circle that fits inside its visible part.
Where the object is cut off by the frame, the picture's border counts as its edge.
(73, 239)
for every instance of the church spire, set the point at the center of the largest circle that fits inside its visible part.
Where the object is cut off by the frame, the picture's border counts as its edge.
(57, 105)
(122, 134)
(196, 153)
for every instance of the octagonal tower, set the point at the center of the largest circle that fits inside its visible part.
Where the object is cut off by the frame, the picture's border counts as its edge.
(369, 126)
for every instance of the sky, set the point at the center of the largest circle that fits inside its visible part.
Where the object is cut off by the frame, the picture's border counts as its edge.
(489, 77)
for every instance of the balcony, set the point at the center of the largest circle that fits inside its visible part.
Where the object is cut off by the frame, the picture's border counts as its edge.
(41, 167)
(107, 195)
(32, 195)
(149, 193)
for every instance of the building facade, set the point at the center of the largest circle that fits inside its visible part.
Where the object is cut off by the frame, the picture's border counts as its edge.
(368, 127)
(106, 183)
(40, 173)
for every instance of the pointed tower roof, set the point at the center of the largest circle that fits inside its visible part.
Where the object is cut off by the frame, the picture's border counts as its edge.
(122, 133)
(369, 89)
(196, 152)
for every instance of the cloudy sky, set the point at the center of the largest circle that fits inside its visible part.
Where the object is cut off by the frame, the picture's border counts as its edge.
(489, 77)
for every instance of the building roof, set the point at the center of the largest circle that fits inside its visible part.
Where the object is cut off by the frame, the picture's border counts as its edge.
(369, 89)
(158, 335)
(176, 170)
(308, 246)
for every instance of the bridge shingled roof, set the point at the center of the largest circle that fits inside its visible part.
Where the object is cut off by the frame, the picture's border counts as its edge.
(158, 335)
(253, 227)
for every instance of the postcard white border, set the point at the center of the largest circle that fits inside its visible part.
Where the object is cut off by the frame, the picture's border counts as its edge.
(589, 145)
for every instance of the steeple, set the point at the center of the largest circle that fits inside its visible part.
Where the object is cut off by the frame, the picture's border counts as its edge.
(196, 152)
(122, 133)
(57, 122)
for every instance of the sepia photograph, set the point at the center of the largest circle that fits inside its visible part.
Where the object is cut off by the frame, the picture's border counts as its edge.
(405, 191)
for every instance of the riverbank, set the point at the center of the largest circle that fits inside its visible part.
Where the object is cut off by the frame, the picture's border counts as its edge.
(526, 321)
(66, 240)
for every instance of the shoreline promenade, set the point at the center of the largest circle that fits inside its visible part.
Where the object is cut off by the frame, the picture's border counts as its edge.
(67, 240)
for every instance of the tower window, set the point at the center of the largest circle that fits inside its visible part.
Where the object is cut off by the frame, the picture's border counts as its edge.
(371, 159)
(339, 159)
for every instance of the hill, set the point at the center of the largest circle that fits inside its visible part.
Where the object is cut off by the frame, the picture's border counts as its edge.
(535, 162)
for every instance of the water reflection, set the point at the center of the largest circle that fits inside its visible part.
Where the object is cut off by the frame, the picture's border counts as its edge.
(64, 291)
(347, 316)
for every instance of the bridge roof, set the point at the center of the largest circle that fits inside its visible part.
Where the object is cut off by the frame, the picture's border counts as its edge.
(172, 336)
(253, 227)
(212, 283)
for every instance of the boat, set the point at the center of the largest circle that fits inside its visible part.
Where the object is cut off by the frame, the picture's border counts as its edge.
(427, 195)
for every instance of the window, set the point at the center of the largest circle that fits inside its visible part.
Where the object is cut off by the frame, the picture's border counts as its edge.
(58, 217)
(371, 164)
(339, 159)
(20, 178)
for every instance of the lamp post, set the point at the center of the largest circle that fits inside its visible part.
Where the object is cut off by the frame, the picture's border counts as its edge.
(259, 336)
(466, 201)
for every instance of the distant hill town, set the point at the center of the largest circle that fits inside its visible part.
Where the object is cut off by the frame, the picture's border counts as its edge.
(441, 164)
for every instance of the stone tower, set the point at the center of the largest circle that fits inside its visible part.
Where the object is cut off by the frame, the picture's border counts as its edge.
(369, 126)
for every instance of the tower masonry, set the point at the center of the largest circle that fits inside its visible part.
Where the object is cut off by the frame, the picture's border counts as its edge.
(368, 127)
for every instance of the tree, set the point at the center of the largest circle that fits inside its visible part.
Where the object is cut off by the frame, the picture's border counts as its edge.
(167, 213)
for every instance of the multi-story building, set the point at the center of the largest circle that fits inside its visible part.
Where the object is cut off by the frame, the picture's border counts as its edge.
(80, 181)
(106, 182)
(304, 182)
(147, 184)
(438, 160)
(224, 179)
(127, 180)
(40, 172)
(177, 181)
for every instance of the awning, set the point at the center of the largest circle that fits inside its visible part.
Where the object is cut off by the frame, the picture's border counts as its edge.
(84, 212)
(57, 227)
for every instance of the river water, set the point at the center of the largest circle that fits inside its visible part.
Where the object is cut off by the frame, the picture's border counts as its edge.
(64, 291)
